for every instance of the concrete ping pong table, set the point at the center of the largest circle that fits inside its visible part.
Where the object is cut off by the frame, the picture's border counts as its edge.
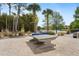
(45, 38)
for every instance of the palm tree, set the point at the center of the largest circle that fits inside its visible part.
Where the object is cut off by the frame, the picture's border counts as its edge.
(47, 13)
(9, 5)
(19, 7)
(34, 8)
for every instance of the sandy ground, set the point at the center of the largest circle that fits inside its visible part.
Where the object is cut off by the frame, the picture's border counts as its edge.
(62, 46)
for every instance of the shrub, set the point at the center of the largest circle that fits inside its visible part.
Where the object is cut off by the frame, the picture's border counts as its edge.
(51, 33)
(61, 34)
(5, 34)
(1, 35)
(21, 34)
(68, 32)
(29, 32)
(11, 35)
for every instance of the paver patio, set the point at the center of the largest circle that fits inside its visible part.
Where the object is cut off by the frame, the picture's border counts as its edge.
(62, 46)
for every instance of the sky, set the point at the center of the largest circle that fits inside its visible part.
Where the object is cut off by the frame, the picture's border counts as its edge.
(66, 10)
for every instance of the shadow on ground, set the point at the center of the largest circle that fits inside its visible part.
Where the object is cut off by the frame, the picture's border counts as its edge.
(40, 49)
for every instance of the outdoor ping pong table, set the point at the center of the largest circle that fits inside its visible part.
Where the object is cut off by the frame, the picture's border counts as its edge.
(45, 38)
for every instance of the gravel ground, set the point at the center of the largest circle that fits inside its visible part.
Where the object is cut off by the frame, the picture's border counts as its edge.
(61, 46)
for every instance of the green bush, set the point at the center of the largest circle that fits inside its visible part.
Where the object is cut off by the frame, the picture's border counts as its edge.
(61, 34)
(5, 34)
(21, 34)
(11, 34)
(51, 33)
(1, 35)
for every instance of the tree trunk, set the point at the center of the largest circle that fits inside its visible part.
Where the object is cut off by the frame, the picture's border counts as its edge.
(35, 27)
(47, 24)
(16, 23)
(9, 9)
(34, 12)
(6, 24)
(0, 9)
(17, 19)
(13, 25)
(56, 27)
(35, 23)
(9, 5)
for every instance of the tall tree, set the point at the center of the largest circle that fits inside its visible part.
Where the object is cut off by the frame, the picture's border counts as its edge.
(19, 7)
(47, 13)
(57, 19)
(9, 5)
(34, 8)
(30, 19)
(0, 8)
(76, 16)
(75, 23)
